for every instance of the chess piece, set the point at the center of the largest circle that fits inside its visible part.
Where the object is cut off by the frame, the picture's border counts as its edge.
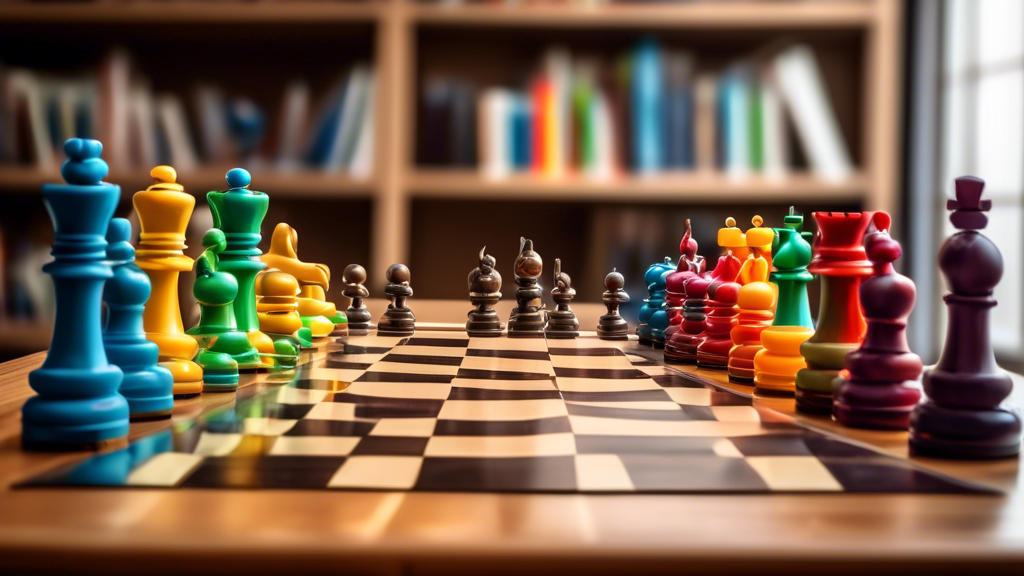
(358, 316)
(961, 417)
(398, 319)
(690, 265)
(681, 347)
(756, 302)
(840, 260)
(527, 319)
(239, 212)
(216, 291)
(277, 307)
(722, 294)
(653, 318)
(776, 366)
(317, 314)
(164, 210)
(77, 403)
(878, 389)
(562, 321)
(484, 292)
(147, 386)
(611, 326)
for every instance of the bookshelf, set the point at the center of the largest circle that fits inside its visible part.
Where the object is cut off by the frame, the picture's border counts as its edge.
(399, 36)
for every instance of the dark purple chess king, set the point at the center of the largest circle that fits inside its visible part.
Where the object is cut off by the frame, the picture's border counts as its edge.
(961, 418)
(879, 386)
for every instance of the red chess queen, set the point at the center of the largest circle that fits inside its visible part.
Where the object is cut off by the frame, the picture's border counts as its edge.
(878, 388)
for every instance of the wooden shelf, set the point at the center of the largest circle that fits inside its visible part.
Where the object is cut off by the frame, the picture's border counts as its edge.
(150, 12)
(683, 15)
(25, 335)
(673, 187)
(299, 184)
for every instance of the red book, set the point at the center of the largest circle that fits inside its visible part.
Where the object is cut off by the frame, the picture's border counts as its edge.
(540, 93)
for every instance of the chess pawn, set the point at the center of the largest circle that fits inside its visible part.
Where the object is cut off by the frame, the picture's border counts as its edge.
(484, 292)
(562, 321)
(358, 316)
(164, 210)
(756, 300)
(878, 389)
(961, 417)
(840, 261)
(681, 348)
(77, 402)
(776, 365)
(277, 307)
(317, 314)
(527, 319)
(612, 326)
(239, 212)
(653, 318)
(690, 265)
(722, 293)
(147, 386)
(398, 319)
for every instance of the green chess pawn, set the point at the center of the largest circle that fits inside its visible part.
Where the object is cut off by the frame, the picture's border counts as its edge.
(223, 349)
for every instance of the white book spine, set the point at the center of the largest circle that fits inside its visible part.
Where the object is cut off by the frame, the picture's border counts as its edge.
(775, 144)
(351, 118)
(141, 121)
(294, 111)
(803, 89)
(738, 137)
(605, 138)
(179, 142)
(494, 110)
(24, 87)
(362, 159)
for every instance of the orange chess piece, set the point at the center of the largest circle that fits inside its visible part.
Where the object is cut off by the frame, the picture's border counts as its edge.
(164, 210)
(756, 303)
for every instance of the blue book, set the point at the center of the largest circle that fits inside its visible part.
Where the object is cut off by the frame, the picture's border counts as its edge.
(647, 96)
(325, 129)
(521, 132)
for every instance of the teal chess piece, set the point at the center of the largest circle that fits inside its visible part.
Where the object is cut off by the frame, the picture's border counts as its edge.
(147, 386)
(239, 213)
(78, 404)
(223, 349)
(653, 319)
(792, 255)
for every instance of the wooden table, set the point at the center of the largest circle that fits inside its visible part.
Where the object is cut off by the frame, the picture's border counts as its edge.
(237, 531)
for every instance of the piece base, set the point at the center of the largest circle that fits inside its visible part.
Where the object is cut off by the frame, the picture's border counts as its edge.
(938, 448)
(772, 392)
(154, 415)
(740, 380)
(520, 334)
(484, 333)
(813, 402)
(94, 446)
(873, 419)
(558, 335)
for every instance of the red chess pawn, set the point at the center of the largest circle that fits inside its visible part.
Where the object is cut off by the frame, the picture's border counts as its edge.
(878, 388)
(723, 294)
(682, 346)
(690, 265)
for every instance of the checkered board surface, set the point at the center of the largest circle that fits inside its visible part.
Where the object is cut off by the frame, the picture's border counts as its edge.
(444, 412)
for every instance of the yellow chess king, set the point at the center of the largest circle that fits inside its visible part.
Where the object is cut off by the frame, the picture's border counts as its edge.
(164, 210)
(317, 314)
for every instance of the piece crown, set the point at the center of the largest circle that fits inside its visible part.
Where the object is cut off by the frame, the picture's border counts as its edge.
(164, 210)
(968, 208)
(83, 167)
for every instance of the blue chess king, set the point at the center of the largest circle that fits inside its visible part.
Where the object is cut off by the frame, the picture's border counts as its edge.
(78, 404)
(147, 386)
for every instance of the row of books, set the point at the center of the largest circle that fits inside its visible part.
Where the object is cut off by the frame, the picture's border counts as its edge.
(140, 128)
(655, 111)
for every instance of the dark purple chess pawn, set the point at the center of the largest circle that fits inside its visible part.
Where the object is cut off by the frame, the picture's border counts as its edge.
(961, 418)
(879, 389)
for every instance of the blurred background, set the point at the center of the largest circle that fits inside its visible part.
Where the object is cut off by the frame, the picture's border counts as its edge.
(416, 131)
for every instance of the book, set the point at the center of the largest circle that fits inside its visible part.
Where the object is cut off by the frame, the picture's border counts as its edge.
(800, 83)
(30, 119)
(178, 140)
(211, 111)
(736, 94)
(349, 121)
(113, 91)
(291, 132)
(678, 121)
(520, 118)
(361, 165)
(647, 108)
(142, 136)
(558, 138)
(774, 139)
(705, 125)
(495, 139)
(325, 127)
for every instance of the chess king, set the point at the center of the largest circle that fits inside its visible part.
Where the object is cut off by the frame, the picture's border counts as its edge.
(317, 314)
(164, 210)
(239, 212)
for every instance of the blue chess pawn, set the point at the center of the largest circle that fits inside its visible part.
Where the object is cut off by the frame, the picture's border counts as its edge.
(78, 404)
(653, 319)
(146, 386)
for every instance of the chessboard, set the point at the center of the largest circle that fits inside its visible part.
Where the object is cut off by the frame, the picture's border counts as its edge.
(440, 411)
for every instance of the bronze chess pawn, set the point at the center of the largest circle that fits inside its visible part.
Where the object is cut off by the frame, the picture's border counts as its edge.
(527, 319)
(358, 316)
(562, 321)
(398, 319)
(484, 292)
(612, 326)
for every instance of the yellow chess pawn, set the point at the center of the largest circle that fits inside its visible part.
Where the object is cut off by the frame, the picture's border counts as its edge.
(164, 210)
(276, 305)
(313, 279)
(776, 365)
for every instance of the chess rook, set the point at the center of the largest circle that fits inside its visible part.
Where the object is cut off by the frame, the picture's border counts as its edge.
(357, 314)
(239, 212)
(840, 261)
(612, 326)
(879, 388)
(398, 319)
(653, 318)
(148, 388)
(484, 292)
(562, 321)
(527, 318)
(962, 418)
(164, 210)
(77, 404)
